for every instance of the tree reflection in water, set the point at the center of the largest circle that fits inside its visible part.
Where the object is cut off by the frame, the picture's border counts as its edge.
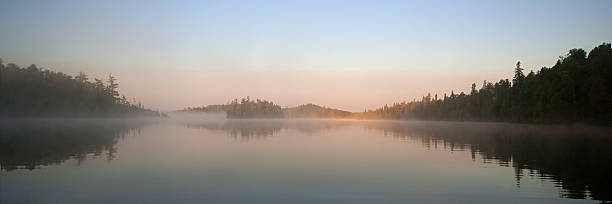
(576, 158)
(256, 129)
(29, 144)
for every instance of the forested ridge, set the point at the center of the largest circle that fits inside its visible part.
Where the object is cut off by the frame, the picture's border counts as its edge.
(314, 111)
(578, 88)
(34, 92)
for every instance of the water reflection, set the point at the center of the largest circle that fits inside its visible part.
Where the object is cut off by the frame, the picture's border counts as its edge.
(577, 159)
(254, 129)
(29, 144)
(242, 129)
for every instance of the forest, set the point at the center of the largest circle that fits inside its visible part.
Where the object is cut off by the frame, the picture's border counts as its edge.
(577, 89)
(35, 92)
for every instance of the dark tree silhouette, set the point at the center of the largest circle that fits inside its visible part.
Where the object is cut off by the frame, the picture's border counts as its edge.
(576, 89)
(34, 92)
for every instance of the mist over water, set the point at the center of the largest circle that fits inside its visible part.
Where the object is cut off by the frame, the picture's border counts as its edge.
(197, 158)
(305, 102)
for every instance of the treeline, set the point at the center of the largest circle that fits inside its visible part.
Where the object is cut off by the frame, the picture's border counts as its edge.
(247, 108)
(578, 88)
(34, 92)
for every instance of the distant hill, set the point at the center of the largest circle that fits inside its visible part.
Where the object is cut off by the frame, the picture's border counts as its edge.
(314, 111)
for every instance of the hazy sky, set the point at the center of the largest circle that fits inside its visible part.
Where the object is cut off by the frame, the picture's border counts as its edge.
(346, 54)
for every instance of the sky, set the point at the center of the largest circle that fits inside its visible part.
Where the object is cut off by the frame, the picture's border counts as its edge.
(353, 55)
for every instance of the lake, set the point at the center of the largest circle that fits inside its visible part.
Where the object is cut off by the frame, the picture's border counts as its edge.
(214, 160)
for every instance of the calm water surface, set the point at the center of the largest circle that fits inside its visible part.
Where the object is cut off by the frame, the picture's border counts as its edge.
(213, 160)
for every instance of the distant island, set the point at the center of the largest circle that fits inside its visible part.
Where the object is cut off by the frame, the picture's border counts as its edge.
(577, 89)
(37, 92)
(247, 108)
